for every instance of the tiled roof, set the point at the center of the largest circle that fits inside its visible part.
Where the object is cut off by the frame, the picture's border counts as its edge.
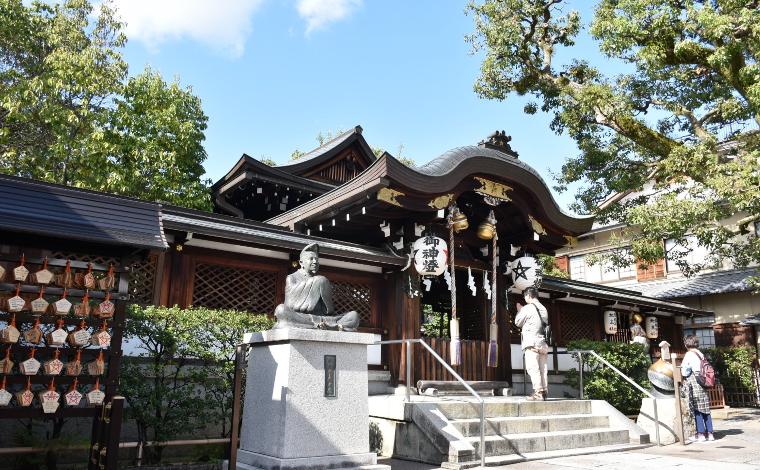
(703, 284)
(52, 210)
(596, 291)
(232, 228)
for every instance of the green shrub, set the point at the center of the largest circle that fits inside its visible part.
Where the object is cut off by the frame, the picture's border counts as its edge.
(733, 363)
(181, 377)
(602, 383)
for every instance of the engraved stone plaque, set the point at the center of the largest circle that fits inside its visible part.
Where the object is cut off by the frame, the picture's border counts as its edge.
(331, 385)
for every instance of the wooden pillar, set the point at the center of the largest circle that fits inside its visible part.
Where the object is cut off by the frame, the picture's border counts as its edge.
(503, 319)
(410, 329)
(553, 321)
(180, 283)
(392, 353)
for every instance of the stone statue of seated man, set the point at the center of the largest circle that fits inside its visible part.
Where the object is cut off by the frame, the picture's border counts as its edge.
(308, 299)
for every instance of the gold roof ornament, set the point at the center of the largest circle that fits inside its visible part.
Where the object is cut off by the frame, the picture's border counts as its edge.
(441, 202)
(571, 241)
(390, 196)
(537, 227)
(493, 189)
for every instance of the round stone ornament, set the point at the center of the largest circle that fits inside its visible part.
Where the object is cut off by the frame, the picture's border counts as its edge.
(661, 375)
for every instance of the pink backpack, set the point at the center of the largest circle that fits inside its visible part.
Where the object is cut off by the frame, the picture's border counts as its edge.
(706, 377)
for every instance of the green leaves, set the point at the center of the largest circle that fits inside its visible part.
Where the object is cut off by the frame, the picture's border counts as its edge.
(684, 116)
(69, 114)
(181, 371)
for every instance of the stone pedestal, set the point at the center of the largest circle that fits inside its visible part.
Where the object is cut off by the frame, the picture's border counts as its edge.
(666, 415)
(306, 401)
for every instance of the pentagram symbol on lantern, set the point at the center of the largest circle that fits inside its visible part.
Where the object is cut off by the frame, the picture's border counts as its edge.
(521, 271)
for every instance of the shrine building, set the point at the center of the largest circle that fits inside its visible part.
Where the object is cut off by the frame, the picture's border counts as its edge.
(366, 212)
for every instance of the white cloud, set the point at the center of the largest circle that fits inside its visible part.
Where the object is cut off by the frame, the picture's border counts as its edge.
(223, 26)
(320, 13)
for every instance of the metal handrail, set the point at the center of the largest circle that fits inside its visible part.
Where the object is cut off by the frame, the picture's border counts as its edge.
(482, 402)
(580, 353)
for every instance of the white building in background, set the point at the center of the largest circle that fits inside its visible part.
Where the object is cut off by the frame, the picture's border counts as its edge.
(721, 288)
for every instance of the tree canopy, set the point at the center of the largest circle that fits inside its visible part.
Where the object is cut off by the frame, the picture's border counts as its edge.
(676, 132)
(71, 114)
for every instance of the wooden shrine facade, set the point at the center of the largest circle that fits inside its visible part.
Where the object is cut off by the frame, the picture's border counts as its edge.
(366, 225)
(365, 212)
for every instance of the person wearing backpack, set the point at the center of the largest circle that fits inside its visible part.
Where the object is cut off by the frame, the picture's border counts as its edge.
(532, 320)
(698, 375)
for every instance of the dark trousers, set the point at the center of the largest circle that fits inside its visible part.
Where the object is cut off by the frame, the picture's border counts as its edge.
(704, 420)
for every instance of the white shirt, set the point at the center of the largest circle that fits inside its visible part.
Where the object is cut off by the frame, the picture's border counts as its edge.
(691, 360)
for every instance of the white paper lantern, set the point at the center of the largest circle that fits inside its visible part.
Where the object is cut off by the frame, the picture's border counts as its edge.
(430, 255)
(652, 328)
(610, 322)
(525, 272)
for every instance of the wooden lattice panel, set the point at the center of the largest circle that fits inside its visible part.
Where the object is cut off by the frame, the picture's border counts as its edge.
(356, 297)
(142, 281)
(95, 259)
(576, 325)
(249, 290)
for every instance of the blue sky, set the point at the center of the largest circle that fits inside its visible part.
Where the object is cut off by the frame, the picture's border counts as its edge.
(272, 74)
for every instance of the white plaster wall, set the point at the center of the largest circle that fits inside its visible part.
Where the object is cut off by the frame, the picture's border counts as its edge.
(730, 307)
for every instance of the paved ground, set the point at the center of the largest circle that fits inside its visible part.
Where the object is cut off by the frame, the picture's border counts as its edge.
(736, 447)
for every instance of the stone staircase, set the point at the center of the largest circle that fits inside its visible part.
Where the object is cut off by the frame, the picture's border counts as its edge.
(448, 432)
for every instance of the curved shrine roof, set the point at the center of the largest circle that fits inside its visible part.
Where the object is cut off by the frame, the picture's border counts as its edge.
(457, 171)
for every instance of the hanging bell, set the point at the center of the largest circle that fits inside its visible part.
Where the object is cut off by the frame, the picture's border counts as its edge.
(458, 220)
(487, 228)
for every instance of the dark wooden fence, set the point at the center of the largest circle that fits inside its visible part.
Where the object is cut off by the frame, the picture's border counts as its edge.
(474, 361)
(717, 397)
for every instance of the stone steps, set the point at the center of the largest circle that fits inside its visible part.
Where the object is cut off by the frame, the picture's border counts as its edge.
(499, 460)
(446, 432)
(494, 409)
(530, 424)
(548, 441)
